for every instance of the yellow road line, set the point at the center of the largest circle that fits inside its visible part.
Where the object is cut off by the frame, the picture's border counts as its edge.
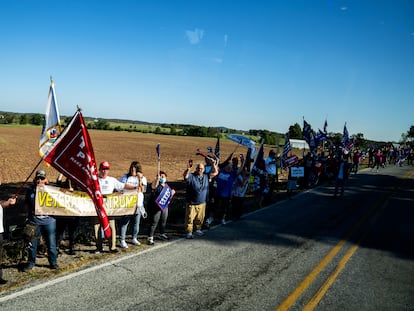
(289, 301)
(310, 278)
(331, 279)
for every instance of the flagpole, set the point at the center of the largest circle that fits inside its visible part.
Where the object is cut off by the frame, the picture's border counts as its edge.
(158, 159)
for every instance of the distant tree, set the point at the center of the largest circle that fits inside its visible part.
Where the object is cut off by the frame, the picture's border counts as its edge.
(173, 130)
(404, 138)
(24, 119)
(36, 119)
(197, 131)
(408, 138)
(102, 125)
(213, 131)
(336, 138)
(157, 130)
(295, 131)
(67, 120)
(8, 118)
(410, 133)
(359, 140)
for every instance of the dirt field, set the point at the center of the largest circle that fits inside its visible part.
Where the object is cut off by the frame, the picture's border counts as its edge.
(19, 159)
(19, 152)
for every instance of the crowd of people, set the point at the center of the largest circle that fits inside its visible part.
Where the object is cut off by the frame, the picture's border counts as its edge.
(215, 193)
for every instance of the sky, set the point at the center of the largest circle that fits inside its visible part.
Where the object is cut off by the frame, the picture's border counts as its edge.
(240, 64)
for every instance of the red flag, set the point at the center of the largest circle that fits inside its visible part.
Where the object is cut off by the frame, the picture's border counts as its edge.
(72, 155)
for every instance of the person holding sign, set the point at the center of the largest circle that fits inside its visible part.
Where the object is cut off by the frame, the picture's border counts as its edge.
(161, 196)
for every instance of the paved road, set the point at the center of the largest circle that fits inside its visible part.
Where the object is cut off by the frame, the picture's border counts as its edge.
(312, 252)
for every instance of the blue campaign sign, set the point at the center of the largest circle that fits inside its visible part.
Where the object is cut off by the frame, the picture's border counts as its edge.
(164, 198)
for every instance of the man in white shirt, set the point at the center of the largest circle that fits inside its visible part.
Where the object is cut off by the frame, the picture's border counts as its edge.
(108, 185)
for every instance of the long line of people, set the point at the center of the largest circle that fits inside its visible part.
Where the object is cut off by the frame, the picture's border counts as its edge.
(215, 193)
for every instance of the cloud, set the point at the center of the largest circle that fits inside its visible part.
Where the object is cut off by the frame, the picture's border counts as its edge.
(226, 39)
(194, 37)
(217, 60)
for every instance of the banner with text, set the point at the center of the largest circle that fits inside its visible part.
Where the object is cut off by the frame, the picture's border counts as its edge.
(55, 201)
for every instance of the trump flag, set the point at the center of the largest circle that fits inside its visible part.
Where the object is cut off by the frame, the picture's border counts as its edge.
(72, 155)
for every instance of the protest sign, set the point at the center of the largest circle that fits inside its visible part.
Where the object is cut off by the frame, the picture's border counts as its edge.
(55, 201)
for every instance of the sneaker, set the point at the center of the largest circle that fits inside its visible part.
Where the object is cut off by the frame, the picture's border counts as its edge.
(135, 242)
(209, 221)
(123, 244)
(54, 267)
(199, 233)
(163, 236)
(115, 250)
(189, 235)
(3, 281)
(223, 221)
(150, 240)
(98, 251)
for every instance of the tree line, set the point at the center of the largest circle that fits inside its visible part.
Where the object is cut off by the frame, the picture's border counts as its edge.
(269, 137)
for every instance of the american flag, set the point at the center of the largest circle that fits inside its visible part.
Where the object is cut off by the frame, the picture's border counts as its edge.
(345, 137)
(285, 152)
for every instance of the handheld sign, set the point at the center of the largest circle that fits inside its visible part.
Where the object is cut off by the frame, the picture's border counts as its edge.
(164, 198)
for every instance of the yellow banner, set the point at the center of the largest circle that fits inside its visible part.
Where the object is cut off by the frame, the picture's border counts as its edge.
(55, 201)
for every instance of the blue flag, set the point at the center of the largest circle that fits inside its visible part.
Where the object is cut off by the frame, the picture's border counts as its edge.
(217, 148)
(158, 148)
(164, 198)
(259, 173)
(345, 137)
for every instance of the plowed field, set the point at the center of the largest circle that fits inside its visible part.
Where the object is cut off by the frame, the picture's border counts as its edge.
(19, 152)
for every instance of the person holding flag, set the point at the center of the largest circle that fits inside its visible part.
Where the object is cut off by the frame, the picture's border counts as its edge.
(108, 185)
(197, 193)
(272, 173)
(260, 187)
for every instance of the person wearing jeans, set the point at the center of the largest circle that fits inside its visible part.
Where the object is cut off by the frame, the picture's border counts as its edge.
(3, 204)
(46, 226)
(156, 214)
(135, 178)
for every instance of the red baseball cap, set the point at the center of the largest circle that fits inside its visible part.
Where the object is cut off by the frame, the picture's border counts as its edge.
(104, 165)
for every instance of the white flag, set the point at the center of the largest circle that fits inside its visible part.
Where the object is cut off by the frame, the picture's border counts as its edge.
(51, 124)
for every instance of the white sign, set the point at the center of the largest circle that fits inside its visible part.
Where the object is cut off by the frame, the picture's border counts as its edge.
(297, 171)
